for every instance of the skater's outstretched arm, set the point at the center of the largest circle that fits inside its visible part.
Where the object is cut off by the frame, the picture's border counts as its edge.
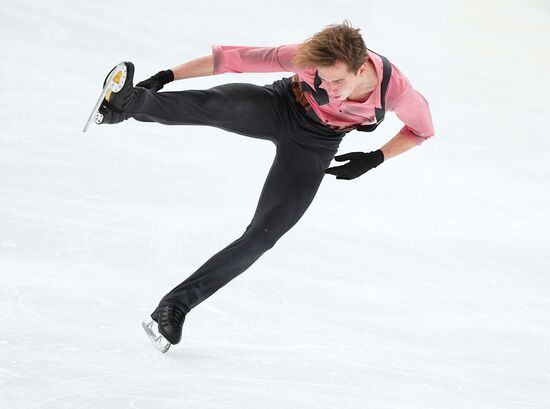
(227, 59)
(199, 67)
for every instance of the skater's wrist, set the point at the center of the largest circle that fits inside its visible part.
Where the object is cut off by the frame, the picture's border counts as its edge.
(399, 144)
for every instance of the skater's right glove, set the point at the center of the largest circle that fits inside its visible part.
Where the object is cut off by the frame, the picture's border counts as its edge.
(157, 81)
(359, 163)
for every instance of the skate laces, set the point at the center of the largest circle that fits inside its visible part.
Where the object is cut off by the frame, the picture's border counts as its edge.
(170, 315)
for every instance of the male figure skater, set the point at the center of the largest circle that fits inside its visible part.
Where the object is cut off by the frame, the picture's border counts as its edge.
(338, 85)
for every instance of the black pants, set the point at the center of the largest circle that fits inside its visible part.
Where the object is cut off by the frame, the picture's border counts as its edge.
(304, 149)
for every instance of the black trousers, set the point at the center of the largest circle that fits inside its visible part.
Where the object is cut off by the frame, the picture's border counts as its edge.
(304, 149)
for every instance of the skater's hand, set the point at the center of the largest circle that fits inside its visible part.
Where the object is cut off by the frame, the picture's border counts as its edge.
(157, 81)
(359, 163)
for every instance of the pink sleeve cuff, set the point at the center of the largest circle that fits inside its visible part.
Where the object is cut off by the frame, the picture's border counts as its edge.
(411, 135)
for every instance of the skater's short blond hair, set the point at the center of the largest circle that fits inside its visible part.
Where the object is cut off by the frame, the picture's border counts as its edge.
(337, 42)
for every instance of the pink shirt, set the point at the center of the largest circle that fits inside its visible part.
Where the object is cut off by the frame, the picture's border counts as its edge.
(407, 103)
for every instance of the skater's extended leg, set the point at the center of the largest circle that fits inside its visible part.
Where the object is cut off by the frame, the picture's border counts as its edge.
(241, 108)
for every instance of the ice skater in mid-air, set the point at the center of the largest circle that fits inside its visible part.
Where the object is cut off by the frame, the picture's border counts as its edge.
(337, 85)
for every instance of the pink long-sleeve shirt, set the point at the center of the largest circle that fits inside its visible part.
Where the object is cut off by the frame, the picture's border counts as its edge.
(407, 103)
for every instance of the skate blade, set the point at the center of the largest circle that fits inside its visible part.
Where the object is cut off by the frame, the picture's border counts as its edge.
(115, 82)
(159, 342)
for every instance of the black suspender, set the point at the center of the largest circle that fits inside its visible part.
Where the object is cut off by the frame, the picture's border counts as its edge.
(379, 112)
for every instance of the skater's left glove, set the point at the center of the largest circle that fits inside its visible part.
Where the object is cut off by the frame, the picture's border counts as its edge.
(157, 81)
(359, 163)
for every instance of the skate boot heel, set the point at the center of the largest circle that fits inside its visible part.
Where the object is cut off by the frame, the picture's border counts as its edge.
(114, 83)
(117, 85)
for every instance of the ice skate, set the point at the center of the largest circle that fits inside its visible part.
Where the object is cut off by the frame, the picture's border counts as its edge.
(116, 87)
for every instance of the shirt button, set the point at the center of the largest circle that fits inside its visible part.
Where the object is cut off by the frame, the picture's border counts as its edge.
(326, 120)
(340, 110)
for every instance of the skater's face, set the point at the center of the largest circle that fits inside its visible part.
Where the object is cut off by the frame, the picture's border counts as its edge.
(339, 81)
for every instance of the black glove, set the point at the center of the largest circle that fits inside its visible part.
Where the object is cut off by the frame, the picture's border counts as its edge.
(157, 81)
(359, 163)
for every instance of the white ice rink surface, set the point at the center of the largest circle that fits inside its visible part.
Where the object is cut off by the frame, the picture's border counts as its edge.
(423, 284)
